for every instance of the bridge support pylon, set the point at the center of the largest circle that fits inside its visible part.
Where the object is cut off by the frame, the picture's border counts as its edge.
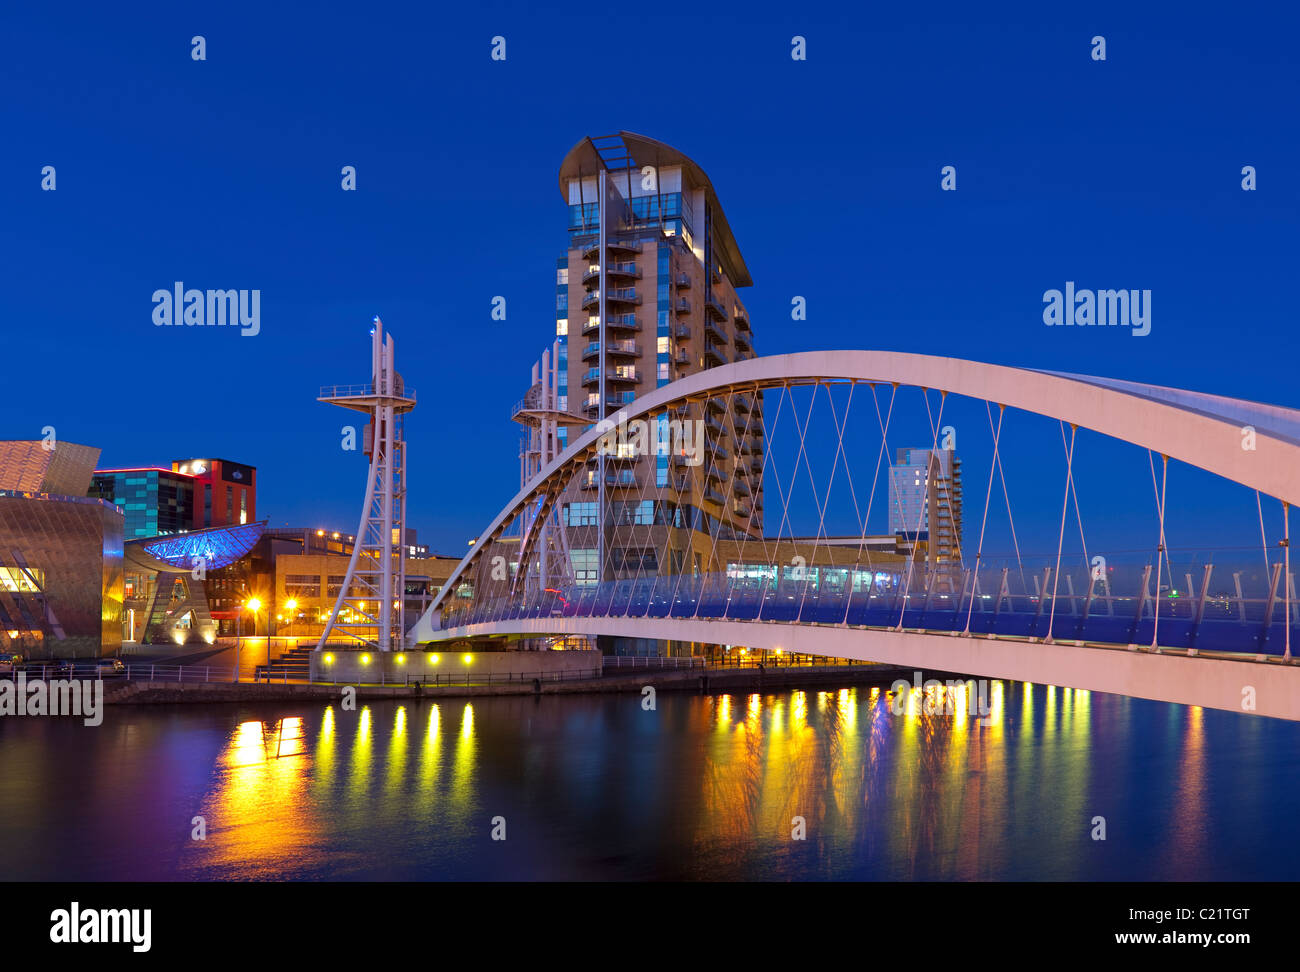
(370, 608)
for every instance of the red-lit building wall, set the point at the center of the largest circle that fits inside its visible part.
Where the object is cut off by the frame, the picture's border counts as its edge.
(225, 492)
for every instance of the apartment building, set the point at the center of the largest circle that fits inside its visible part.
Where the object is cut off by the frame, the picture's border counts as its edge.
(925, 503)
(647, 293)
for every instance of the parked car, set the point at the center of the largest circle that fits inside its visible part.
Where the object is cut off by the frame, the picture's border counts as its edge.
(10, 663)
(109, 667)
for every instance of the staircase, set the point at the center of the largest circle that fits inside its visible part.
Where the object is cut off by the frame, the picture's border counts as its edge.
(293, 664)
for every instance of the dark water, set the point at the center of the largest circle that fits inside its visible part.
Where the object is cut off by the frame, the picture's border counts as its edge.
(705, 787)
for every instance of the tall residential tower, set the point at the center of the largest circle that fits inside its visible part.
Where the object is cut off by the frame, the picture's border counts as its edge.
(647, 293)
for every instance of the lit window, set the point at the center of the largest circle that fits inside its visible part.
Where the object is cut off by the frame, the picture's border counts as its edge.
(562, 326)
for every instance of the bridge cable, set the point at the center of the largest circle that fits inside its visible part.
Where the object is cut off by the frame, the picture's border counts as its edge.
(930, 464)
(631, 517)
(1060, 542)
(781, 493)
(652, 423)
(690, 527)
(1160, 507)
(1083, 541)
(1287, 581)
(794, 475)
(884, 436)
(875, 478)
(830, 483)
(1155, 630)
(1011, 520)
(768, 558)
(767, 456)
(726, 505)
(747, 538)
(738, 437)
(988, 495)
(848, 471)
(1263, 537)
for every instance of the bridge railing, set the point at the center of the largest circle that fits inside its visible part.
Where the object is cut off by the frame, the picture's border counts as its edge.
(1235, 608)
(143, 672)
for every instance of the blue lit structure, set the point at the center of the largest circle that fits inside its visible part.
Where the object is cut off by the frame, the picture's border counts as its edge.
(215, 547)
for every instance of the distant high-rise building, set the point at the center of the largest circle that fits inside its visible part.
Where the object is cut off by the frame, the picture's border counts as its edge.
(648, 293)
(925, 501)
(225, 492)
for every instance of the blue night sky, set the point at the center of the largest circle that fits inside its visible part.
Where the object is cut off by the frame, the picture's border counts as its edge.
(226, 174)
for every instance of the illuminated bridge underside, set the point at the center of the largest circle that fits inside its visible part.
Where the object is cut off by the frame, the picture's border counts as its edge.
(1020, 625)
(1216, 683)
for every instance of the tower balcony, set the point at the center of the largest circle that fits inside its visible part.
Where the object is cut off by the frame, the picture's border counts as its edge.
(613, 245)
(623, 349)
(625, 271)
(620, 460)
(622, 295)
(627, 375)
(742, 319)
(714, 354)
(714, 330)
(626, 322)
(682, 332)
(617, 479)
(682, 306)
(713, 307)
(682, 280)
(591, 405)
(742, 341)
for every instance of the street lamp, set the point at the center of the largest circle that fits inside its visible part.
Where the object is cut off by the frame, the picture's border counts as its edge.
(254, 604)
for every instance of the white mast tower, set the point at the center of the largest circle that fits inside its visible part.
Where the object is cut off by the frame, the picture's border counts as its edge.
(542, 418)
(371, 604)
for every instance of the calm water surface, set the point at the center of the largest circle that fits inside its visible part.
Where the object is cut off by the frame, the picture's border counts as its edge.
(706, 787)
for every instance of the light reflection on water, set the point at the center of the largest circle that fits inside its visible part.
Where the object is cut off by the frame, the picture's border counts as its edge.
(704, 787)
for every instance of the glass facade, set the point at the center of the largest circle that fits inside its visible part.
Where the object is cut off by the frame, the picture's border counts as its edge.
(62, 556)
(153, 501)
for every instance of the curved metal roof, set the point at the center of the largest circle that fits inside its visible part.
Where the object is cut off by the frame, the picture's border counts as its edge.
(584, 159)
(214, 547)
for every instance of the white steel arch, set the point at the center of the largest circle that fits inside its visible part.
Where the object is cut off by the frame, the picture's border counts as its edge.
(1201, 430)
